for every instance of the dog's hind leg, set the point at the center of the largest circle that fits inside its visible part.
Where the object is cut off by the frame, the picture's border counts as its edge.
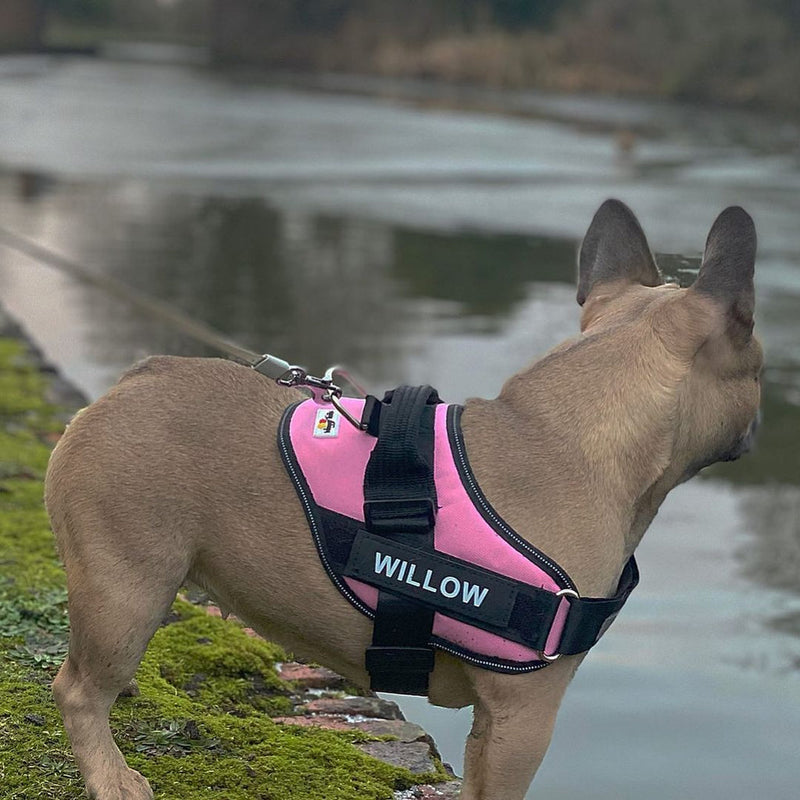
(512, 726)
(114, 611)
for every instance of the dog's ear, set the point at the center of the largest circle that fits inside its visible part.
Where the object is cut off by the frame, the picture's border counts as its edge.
(726, 274)
(615, 248)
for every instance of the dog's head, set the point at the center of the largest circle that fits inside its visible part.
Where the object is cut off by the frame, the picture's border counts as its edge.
(691, 351)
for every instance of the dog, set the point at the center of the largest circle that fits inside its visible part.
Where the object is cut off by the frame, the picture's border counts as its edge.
(173, 476)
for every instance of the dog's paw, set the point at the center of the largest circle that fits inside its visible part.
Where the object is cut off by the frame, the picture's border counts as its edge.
(130, 785)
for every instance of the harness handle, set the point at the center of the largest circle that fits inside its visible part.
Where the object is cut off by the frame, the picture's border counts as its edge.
(400, 507)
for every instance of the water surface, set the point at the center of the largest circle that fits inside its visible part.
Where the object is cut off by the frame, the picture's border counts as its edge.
(418, 243)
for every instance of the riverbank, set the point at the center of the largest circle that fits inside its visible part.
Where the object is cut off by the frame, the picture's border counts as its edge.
(219, 712)
(741, 53)
(672, 50)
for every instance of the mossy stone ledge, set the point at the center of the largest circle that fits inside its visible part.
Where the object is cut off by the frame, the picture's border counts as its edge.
(213, 716)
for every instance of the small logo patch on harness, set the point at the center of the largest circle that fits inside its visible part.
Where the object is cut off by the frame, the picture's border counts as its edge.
(326, 423)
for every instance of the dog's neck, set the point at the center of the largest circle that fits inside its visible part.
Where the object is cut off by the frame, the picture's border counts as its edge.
(578, 450)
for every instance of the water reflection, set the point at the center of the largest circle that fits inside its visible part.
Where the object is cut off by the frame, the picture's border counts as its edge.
(315, 288)
(772, 556)
(345, 289)
(350, 290)
(328, 288)
(319, 287)
(487, 275)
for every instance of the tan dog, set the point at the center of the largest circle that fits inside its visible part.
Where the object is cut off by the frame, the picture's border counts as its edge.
(170, 477)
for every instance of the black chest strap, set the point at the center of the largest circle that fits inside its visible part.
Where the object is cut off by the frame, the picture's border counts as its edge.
(400, 505)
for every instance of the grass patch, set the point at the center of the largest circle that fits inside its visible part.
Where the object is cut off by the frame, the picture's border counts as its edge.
(200, 727)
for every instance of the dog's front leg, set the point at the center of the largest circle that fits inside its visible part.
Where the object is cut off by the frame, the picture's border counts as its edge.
(513, 723)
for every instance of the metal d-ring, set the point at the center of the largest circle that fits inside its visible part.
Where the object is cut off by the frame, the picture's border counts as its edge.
(334, 399)
(560, 593)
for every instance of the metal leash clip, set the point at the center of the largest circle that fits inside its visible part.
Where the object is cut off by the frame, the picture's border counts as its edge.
(323, 390)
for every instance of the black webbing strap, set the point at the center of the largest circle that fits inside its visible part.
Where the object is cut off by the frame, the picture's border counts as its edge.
(513, 610)
(400, 505)
(589, 617)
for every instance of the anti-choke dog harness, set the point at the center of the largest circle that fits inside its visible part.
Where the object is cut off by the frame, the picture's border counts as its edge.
(406, 535)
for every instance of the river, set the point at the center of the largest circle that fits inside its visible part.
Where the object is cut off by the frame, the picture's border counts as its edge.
(423, 234)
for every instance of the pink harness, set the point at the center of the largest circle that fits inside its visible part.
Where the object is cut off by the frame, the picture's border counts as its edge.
(455, 576)
(327, 458)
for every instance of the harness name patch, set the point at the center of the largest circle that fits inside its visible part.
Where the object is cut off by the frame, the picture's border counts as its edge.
(435, 579)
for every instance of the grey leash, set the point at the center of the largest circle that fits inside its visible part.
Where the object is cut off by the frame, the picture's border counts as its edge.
(323, 390)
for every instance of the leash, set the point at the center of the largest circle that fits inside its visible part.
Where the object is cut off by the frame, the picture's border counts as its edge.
(323, 390)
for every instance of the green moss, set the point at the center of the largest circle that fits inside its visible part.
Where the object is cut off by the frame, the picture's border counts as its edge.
(35, 760)
(200, 727)
(208, 660)
(21, 384)
(256, 758)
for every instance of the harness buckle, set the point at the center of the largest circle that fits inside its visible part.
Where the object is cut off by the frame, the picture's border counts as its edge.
(402, 515)
(560, 593)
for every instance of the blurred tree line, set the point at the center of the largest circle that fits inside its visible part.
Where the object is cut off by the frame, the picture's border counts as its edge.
(82, 10)
(171, 19)
(319, 13)
(744, 51)
(464, 15)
